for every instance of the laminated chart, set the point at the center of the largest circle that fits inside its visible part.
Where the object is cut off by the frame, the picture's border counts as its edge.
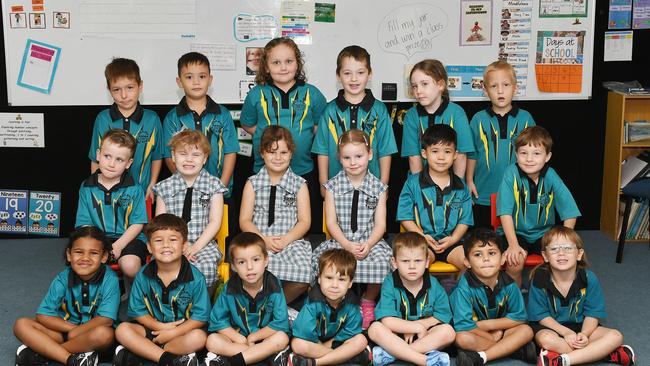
(559, 59)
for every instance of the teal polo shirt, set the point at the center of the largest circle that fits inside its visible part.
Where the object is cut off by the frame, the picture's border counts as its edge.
(112, 210)
(215, 123)
(77, 301)
(532, 206)
(494, 141)
(584, 299)
(318, 321)
(436, 210)
(417, 120)
(398, 302)
(472, 300)
(185, 298)
(236, 309)
(370, 116)
(144, 126)
(298, 110)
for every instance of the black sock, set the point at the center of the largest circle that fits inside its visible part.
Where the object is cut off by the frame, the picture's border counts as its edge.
(166, 359)
(237, 360)
(70, 359)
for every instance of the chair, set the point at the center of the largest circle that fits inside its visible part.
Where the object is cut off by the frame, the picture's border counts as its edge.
(438, 267)
(115, 266)
(635, 190)
(224, 267)
(325, 231)
(532, 260)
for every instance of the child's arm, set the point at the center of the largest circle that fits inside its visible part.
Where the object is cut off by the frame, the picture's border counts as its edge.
(170, 165)
(301, 227)
(460, 164)
(160, 205)
(515, 253)
(260, 335)
(323, 172)
(397, 325)
(469, 177)
(246, 213)
(93, 166)
(152, 323)
(415, 164)
(384, 168)
(97, 321)
(233, 335)
(163, 336)
(380, 226)
(54, 323)
(228, 168)
(570, 223)
(248, 116)
(490, 325)
(156, 165)
(332, 223)
(211, 230)
(129, 235)
(452, 239)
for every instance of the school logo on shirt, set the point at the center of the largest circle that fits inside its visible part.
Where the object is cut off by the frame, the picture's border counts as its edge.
(215, 128)
(371, 202)
(455, 204)
(298, 105)
(125, 200)
(143, 137)
(204, 200)
(544, 199)
(183, 298)
(289, 199)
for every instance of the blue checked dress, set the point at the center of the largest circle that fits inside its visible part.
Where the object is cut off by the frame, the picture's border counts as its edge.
(293, 262)
(172, 190)
(376, 265)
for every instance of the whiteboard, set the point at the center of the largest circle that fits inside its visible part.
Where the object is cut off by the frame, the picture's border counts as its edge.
(397, 34)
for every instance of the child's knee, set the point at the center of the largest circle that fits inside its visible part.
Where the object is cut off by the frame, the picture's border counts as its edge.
(281, 341)
(545, 338)
(130, 265)
(359, 341)
(376, 329)
(525, 331)
(195, 339)
(446, 333)
(101, 336)
(616, 336)
(465, 340)
(22, 323)
(300, 346)
(214, 342)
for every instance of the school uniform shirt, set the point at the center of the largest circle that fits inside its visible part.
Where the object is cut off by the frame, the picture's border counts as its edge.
(172, 191)
(236, 309)
(298, 110)
(585, 298)
(144, 125)
(215, 123)
(417, 120)
(494, 143)
(275, 213)
(319, 322)
(370, 116)
(112, 210)
(436, 210)
(532, 206)
(398, 302)
(355, 213)
(472, 301)
(186, 297)
(77, 301)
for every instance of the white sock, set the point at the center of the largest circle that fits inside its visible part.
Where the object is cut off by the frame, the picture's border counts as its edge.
(483, 356)
(566, 361)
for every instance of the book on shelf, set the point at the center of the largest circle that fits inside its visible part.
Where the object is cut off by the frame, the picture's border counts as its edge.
(635, 167)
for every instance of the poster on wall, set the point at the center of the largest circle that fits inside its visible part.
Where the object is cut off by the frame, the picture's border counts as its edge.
(44, 213)
(13, 211)
(559, 58)
(620, 14)
(475, 23)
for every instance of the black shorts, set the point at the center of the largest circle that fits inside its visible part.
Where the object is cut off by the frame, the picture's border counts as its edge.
(532, 248)
(482, 216)
(576, 327)
(135, 247)
(315, 201)
(443, 256)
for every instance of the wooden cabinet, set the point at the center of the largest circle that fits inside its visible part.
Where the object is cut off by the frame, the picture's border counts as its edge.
(620, 107)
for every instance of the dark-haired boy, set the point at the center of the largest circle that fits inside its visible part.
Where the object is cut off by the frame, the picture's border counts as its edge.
(169, 302)
(111, 200)
(125, 85)
(435, 202)
(249, 321)
(199, 112)
(327, 330)
(489, 310)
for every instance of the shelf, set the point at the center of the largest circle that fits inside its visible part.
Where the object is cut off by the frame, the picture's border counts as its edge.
(637, 144)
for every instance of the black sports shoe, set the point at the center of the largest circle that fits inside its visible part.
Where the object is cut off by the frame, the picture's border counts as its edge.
(364, 358)
(212, 359)
(124, 357)
(527, 353)
(83, 359)
(25, 356)
(468, 358)
(297, 360)
(281, 358)
(186, 360)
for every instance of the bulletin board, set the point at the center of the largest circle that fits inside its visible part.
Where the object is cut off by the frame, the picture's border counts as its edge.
(56, 50)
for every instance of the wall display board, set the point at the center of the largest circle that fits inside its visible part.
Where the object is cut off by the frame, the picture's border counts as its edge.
(56, 50)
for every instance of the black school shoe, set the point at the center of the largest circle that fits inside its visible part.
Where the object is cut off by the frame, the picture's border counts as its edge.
(124, 357)
(186, 360)
(527, 353)
(468, 358)
(83, 359)
(281, 358)
(25, 356)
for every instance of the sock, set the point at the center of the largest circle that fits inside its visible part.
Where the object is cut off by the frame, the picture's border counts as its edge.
(483, 357)
(166, 359)
(566, 361)
(237, 360)
(70, 359)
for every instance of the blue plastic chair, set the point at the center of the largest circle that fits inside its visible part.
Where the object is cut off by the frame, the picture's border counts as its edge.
(635, 190)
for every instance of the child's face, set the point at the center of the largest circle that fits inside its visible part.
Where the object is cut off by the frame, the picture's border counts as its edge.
(195, 80)
(485, 261)
(189, 160)
(166, 245)
(500, 88)
(531, 159)
(354, 77)
(277, 160)
(411, 263)
(253, 58)
(85, 256)
(440, 157)
(561, 254)
(354, 158)
(426, 91)
(125, 92)
(113, 159)
(333, 284)
(282, 65)
(249, 264)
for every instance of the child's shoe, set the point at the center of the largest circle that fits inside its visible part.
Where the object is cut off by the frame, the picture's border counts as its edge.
(364, 358)
(437, 358)
(468, 358)
(124, 357)
(549, 358)
(298, 360)
(292, 314)
(380, 357)
(367, 313)
(83, 359)
(281, 358)
(623, 355)
(186, 360)
(25, 356)
(212, 359)
(527, 353)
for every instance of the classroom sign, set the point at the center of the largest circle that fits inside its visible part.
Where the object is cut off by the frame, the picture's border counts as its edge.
(13, 211)
(44, 213)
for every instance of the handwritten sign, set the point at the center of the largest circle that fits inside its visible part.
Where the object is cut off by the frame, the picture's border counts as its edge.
(410, 29)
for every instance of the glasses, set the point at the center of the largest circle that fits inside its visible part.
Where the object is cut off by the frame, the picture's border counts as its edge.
(566, 248)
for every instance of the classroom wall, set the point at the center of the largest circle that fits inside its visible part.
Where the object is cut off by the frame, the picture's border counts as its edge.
(577, 127)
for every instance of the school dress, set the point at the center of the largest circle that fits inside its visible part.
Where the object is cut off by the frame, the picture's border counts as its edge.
(173, 191)
(357, 224)
(275, 213)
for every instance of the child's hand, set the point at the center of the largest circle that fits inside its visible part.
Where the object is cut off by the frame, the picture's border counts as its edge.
(472, 189)
(445, 243)
(170, 325)
(240, 339)
(189, 251)
(278, 243)
(116, 252)
(149, 192)
(362, 250)
(408, 337)
(497, 334)
(581, 341)
(164, 336)
(322, 190)
(251, 339)
(570, 339)
(515, 255)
